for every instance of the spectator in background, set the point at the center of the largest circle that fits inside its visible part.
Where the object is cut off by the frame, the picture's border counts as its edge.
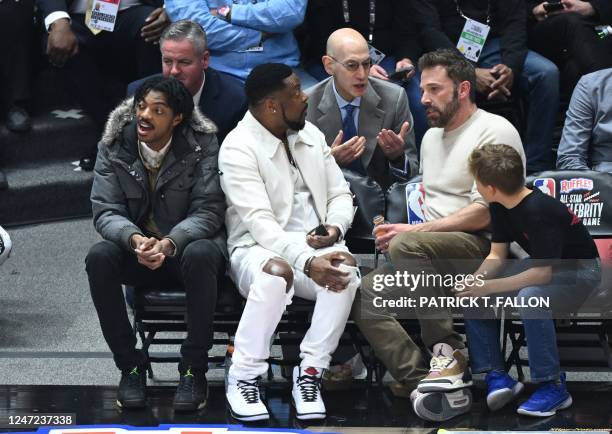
(366, 121)
(16, 20)
(586, 142)
(504, 65)
(158, 205)
(185, 57)
(456, 217)
(393, 32)
(243, 33)
(567, 36)
(90, 56)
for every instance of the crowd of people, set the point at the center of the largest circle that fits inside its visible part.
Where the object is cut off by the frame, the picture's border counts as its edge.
(229, 152)
(531, 52)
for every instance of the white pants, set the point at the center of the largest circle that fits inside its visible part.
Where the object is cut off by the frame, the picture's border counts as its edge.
(267, 297)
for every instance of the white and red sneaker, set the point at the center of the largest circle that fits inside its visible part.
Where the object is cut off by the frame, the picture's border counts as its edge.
(306, 393)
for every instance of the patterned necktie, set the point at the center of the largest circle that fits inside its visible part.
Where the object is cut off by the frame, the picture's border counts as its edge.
(350, 130)
(88, 18)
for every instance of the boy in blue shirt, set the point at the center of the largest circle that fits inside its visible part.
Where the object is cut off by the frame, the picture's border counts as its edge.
(563, 269)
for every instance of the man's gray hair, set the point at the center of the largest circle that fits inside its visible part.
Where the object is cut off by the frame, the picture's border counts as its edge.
(186, 29)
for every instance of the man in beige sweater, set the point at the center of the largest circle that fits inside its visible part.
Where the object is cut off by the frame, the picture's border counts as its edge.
(456, 217)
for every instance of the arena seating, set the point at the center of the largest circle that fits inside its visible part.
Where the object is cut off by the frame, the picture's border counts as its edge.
(163, 311)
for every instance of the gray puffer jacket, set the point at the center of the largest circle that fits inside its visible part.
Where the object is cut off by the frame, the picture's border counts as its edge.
(188, 203)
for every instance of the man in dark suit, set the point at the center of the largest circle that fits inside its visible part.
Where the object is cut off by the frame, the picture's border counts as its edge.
(185, 57)
(366, 121)
(90, 56)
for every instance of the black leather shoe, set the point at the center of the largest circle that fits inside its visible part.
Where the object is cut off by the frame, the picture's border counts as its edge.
(3, 181)
(192, 391)
(132, 391)
(18, 120)
(87, 163)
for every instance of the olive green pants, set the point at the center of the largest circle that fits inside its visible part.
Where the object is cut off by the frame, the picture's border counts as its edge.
(415, 252)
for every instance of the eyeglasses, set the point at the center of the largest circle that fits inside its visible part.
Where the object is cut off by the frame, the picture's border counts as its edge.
(353, 65)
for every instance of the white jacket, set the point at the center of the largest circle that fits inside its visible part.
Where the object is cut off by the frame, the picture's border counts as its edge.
(259, 191)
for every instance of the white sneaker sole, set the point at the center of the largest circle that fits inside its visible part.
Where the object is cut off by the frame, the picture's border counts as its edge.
(249, 417)
(565, 404)
(440, 406)
(446, 384)
(307, 416)
(310, 416)
(501, 397)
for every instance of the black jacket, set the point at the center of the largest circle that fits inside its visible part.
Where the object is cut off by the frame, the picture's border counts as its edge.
(187, 202)
(440, 25)
(395, 33)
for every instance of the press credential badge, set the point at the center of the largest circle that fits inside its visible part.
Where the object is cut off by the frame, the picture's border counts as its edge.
(472, 39)
(104, 14)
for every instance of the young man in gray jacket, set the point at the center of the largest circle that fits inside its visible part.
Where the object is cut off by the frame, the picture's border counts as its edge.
(158, 204)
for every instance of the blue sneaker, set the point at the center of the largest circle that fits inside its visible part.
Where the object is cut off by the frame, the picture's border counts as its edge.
(547, 399)
(501, 389)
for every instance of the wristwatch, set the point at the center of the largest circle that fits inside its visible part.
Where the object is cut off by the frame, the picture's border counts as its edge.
(225, 12)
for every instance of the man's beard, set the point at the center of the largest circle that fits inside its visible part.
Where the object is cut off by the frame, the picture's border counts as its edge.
(446, 114)
(294, 125)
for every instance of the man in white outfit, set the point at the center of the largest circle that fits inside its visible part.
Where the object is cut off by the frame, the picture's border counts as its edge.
(281, 181)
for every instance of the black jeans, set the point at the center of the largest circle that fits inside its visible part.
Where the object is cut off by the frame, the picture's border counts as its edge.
(197, 270)
(570, 41)
(16, 35)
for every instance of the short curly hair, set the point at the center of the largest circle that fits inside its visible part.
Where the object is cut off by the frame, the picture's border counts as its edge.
(177, 96)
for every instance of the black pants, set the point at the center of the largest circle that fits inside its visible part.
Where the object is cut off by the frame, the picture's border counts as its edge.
(197, 270)
(16, 31)
(570, 41)
(122, 55)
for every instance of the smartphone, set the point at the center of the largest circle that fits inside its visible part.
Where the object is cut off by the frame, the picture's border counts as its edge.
(400, 74)
(319, 230)
(553, 6)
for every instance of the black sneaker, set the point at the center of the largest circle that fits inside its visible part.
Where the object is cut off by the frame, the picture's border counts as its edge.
(132, 391)
(18, 120)
(192, 390)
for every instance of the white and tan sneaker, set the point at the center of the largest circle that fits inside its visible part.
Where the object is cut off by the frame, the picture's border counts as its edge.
(448, 371)
(441, 406)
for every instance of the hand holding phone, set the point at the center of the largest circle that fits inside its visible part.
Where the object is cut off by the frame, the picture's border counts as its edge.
(320, 230)
(400, 74)
(553, 6)
(322, 236)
